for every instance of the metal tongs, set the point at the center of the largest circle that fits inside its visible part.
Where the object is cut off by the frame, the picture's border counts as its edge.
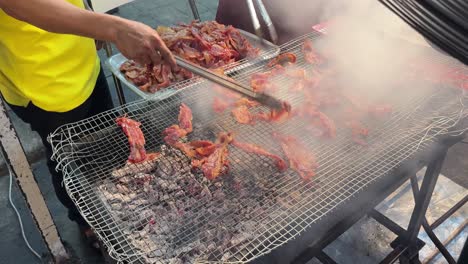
(224, 81)
(266, 18)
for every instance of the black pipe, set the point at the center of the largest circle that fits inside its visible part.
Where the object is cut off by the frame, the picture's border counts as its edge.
(450, 212)
(440, 246)
(464, 253)
(194, 8)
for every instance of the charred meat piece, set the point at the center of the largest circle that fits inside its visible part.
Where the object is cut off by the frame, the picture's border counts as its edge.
(300, 160)
(319, 119)
(220, 105)
(203, 148)
(358, 132)
(297, 86)
(242, 115)
(187, 149)
(216, 164)
(275, 115)
(284, 58)
(261, 83)
(173, 133)
(135, 137)
(296, 73)
(185, 118)
(309, 53)
(247, 102)
(280, 164)
(146, 166)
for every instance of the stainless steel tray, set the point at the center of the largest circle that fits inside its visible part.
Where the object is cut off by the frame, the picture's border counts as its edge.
(268, 51)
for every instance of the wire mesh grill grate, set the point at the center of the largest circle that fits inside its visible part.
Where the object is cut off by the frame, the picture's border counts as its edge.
(164, 213)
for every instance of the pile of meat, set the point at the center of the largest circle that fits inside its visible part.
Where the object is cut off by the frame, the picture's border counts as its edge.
(208, 44)
(317, 89)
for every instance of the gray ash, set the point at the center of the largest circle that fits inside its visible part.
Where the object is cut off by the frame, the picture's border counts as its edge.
(175, 215)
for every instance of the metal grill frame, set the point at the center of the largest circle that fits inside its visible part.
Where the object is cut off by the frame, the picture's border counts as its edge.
(70, 151)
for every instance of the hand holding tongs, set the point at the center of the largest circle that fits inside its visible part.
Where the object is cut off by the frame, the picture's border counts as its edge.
(262, 98)
(266, 18)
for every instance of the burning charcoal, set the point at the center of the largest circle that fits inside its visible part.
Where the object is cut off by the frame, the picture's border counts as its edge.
(211, 247)
(166, 185)
(144, 232)
(143, 178)
(129, 169)
(189, 203)
(179, 194)
(122, 189)
(240, 238)
(165, 169)
(147, 188)
(175, 261)
(219, 195)
(206, 192)
(126, 198)
(157, 253)
(226, 256)
(125, 180)
(164, 228)
(112, 198)
(116, 206)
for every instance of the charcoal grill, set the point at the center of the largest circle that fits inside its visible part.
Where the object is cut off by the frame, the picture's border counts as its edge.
(254, 210)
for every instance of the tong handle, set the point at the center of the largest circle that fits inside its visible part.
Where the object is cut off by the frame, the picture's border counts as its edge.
(229, 83)
(265, 16)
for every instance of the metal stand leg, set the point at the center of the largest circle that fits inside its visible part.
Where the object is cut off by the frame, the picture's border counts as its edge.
(118, 84)
(194, 8)
(422, 200)
(429, 229)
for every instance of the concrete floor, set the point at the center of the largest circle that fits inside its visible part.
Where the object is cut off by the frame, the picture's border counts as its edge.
(151, 12)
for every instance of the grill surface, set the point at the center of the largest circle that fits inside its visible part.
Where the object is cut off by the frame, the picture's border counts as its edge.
(176, 216)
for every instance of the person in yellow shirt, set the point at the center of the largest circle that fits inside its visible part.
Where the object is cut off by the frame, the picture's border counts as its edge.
(50, 73)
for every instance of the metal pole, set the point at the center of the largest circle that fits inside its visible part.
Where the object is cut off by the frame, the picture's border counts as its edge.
(118, 84)
(424, 196)
(422, 203)
(194, 8)
(440, 246)
(16, 159)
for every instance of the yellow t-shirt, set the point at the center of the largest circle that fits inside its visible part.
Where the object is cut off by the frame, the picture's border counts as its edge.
(56, 72)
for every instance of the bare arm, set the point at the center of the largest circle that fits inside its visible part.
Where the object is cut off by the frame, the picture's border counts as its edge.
(135, 40)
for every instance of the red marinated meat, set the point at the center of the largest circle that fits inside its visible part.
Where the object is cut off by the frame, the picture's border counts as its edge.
(216, 164)
(309, 53)
(242, 115)
(173, 133)
(208, 44)
(203, 148)
(219, 105)
(247, 102)
(275, 115)
(135, 137)
(280, 163)
(300, 160)
(284, 58)
(185, 118)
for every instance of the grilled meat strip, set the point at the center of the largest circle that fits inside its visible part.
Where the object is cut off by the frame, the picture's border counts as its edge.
(300, 160)
(136, 139)
(280, 163)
